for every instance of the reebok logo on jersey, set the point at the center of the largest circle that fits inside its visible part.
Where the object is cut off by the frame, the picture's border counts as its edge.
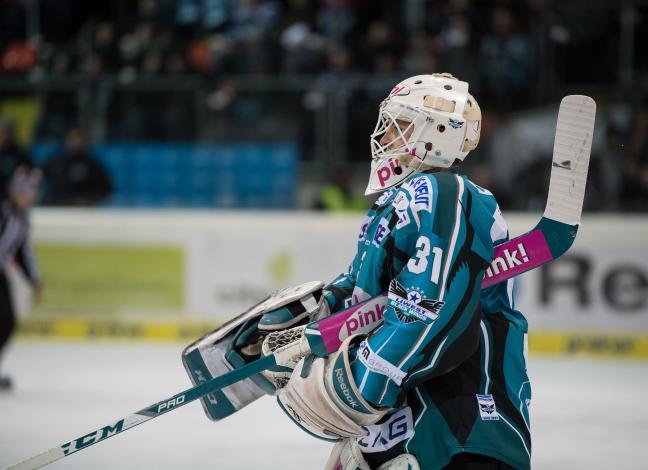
(508, 261)
(345, 389)
(375, 363)
(487, 409)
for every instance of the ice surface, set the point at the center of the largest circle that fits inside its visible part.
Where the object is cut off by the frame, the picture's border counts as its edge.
(585, 413)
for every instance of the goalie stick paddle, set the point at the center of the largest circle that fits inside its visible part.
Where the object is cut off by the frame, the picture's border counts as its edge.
(550, 238)
(557, 228)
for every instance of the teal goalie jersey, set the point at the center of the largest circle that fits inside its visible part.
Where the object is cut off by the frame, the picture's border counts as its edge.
(449, 357)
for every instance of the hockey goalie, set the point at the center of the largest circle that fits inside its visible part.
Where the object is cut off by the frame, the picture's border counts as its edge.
(442, 382)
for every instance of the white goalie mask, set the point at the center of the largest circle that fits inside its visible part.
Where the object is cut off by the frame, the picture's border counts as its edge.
(432, 121)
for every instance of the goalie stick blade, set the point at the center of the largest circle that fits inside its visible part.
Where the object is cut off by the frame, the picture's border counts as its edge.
(571, 155)
(557, 229)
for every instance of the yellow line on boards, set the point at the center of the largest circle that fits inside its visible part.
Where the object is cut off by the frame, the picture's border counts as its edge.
(593, 344)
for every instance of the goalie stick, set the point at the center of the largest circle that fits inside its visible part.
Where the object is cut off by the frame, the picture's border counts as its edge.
(549, 239)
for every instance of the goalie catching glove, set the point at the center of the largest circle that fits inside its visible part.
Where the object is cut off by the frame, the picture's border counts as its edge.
(239, 342)
(322, 397)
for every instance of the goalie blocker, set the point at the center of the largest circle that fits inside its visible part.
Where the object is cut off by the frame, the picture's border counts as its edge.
(239, 341)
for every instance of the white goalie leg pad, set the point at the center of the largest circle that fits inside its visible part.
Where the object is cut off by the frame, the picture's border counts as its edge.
(206, 359)
(346, 456)
(283, 315)
(214, 354)
(401, 462)
(325, 400)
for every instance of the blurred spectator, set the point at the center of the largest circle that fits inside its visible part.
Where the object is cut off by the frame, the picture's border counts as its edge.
(76, 178)
(340, 65)
(456, 44)
(60, 107)
(505, 57)
(635, 170)
(19, 57)
(381, 48)
(252, 19)
(422, 55)
(335, 20)
(200, 56)
(303, 48)
(605, 173)
(174, 63)
(105, 46)
(12, 156)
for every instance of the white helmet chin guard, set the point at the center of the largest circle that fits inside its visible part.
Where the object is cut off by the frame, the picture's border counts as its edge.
(434, 121)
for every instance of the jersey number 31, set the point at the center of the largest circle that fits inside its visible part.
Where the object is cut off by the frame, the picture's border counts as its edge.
(419, 263)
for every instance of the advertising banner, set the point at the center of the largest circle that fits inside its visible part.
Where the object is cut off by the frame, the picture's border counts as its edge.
(214, 264)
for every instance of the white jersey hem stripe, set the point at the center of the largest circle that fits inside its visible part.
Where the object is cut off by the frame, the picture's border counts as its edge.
(486, 356)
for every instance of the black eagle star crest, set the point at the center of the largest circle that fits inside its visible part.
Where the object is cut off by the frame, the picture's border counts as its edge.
(432, 306)
(487, 408)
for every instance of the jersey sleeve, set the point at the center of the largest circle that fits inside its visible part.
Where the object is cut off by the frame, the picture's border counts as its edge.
(338, 292)
(431, 322)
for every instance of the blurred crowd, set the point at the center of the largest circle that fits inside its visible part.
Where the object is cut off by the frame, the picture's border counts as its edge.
(491, 44)
(512, 52)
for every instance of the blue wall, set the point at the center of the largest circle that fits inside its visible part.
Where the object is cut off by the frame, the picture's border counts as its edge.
(195, 175)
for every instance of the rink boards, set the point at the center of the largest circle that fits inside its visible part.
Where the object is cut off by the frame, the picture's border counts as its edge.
(172, 275)
(540, 342)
